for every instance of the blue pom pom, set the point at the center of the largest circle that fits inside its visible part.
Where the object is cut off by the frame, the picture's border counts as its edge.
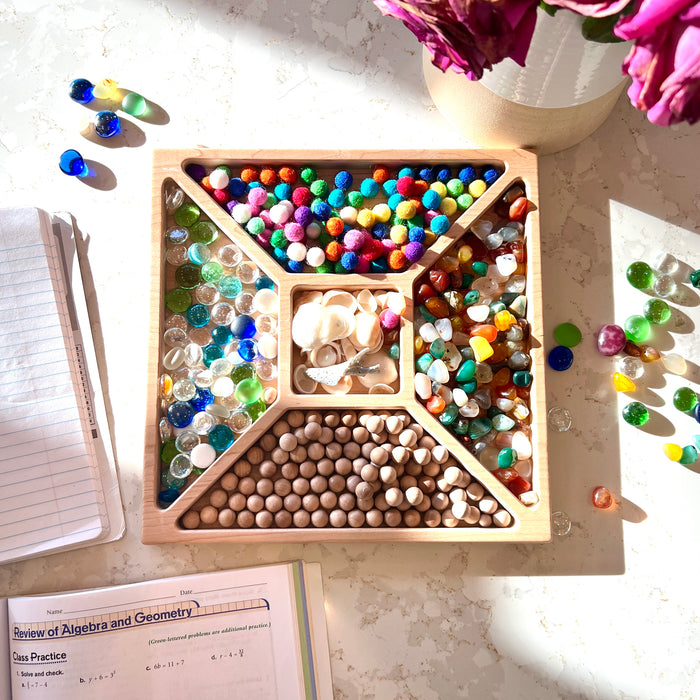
(343, 180)
(379, 265)
(427, 173)
(252, 185)
(349, 260)
(407, 172)
(440, 224)
(295, 266)
(321, 210)
(336, 198)
(431, 199)
(283, 191)
(490, 176)
(280, 255)
(380, 231)
(416, 234)
(467, 175)
(394, 201)
(369, 188)
(236, 187)
(389, 187)
(444, 174)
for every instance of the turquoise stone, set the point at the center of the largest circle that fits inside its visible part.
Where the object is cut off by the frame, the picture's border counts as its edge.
(466, 372)
(471, 297)
(501, 422)
(507, 457)
(480, 268)
(508, 297)
(437, 348)
(522, 378)
(468, 387)
(449, 415)
(519, 306)
(426, 314)
(479, 427)
(423, 362)
(467, 279)
(689, 456)
(461, 426)
(394, 351)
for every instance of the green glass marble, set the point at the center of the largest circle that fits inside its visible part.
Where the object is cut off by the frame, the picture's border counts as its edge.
(212, 272)
(466, 372)
(479, 427)
(449, 415)
(635, 413)
(507, 457)
(694, 278)
(522, 378)
(248, 391)
(211, 353)
(230, 287)
(178, 300)
(640, 275)
(188, 275)
(437, 348)
(242, 371)
(204, 232)
(637, 329)
(689, 456)
(168, 451)
(395, 351)
(423, 362)
(685, 399)
(186, 214)
(480, 268)
(134, 104)
(567, 334)
(256, 409)
(657, 311)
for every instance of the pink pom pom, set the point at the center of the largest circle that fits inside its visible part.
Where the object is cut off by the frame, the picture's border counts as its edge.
(257, 196)
(264, 238)
(362, 266)
(389, 320)
(294, 232)
(354, 240)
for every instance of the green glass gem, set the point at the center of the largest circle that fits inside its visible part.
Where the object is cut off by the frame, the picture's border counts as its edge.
(134, 104)
(186, 214)
(466, 372)
(308, 175)
(522, 378)
(480, 268)
(178, 300)
(502, 422)
(188, 275)
(479, 427)
(471, 297)
(248, 391)
(657, 311)
(567, 334)
(204, 232)
(689, 456)
(437, 348)
(212, 271)
(423, 362)
(468, 387)
(694, 278)
(230, 287)
(256, 409)
(461, 426)
(449, 415)
(464, 201)
(242, 372)
(168, 451)
(211, 353)
(637, 329)
(507, 457)
(635, 413)
(685, 399)
(395, 351)
(640, 275)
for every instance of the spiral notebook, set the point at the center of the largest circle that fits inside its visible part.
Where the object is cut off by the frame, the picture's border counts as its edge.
(58, 481)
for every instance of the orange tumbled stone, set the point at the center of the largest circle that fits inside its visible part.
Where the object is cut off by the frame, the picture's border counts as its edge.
(519, 485)
(649, 354)
(500, 353)
(518, 209)
(485, 330)
(435, 404)
(501, 378)
(503, 320)
(438, 307)
(425, 291)
(506, 475)
(602, 498)
(439, 279)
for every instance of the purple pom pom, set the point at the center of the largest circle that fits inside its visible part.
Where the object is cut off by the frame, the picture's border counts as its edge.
(304, 216)
(414, 251)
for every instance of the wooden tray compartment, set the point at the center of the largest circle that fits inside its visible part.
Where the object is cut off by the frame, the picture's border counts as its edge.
(164, 525)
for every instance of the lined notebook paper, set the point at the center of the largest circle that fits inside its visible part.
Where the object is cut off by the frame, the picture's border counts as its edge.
(58, 486)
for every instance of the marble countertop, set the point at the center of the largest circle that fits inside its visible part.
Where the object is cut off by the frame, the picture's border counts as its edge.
(609, 611)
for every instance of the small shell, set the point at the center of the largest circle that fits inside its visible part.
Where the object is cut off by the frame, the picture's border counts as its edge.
(302, 383)
(396, 302)
(325, 356)
(348, 349)
(342, 387)
(366, 301)
(387, 374)
(381, 389)
(367, 331)
(308, 297)
(339, 298)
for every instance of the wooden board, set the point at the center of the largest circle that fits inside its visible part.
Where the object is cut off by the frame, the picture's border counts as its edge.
(160, 525)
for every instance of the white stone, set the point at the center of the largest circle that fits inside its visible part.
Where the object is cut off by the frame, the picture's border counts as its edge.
(202, 455)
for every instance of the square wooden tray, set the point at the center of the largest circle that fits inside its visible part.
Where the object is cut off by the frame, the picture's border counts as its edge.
(160, 525)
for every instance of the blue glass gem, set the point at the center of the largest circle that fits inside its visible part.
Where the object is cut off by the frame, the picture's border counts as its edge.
(107, 124)
(248, 350)
(180, 414)
(197, 315)
(560, 358)
(201, 400)
(243, 326)
(165, 498)
(696, 412)
(211, 353)
(72, 163)
(264, 282)
(221, 437)
(80, 90)
(221, 335)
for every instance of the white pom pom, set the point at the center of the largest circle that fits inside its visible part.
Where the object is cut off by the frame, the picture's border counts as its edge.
(315, 256)
(279, 214)
(313, 230)
(242, 213)
(296, 251)
(348, 215)
(218, 179)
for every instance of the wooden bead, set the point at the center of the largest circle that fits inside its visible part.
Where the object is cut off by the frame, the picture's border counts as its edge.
(283, 519)
(413, 468)
(343, 466)
(488, 505)
(392, 518)
(459, 509)
(475, 491)
(279, 456)
(336, 483)
(356, 518)
(366, 449)
(406, 482)
(414, 495)
(365, 504)
(456, 495)
(374, 517)
(282, 487)
(364, 490)
(387, 474)
(315, 451)
(360, 434)
(300, 435)
(327, 435)
(245, 519)
(227, 517)
(424, 505)
(242, 468)
(442, 484)
(255, 503)
(379, 438)
(338, 518)
(369, 473)
(280, 428)
(394, 497)
(264, 519)
(319, 518)
(236, 502)
(334, 450)
(310, 502)
(292, 502)
(440, 500)
(408, 438)
(318, 483)
(342, 434)
(246, 485)
(426, 484)
(351, 450)
(453, 475)
(472, 515)
(300, 485)
(421, 455)
(440, 454)
(400, 454)
(289, 470)
(393, 425)
(255, 455)
(374, 424)
(331, 419)
(264, 487)
(485, 520)
(208, 515)
(411, 518)
(432, 517)
(191, 520)
(218, 498)
(273, 503)
(501, 518)
(357, 465)
(307, 469)
(298, 454)
(314, 417)
(313, 431)
(417, 428)
(348, 418)
(267, 442)
(296, 418)
(431, 469)
(268, 469)
(351, 482)
(427, 441)
(229, 481)
(287, 442)
(328, 500)
(346, 501)
(325, 467)
(301, 518)
(449, 520)
(380, 501)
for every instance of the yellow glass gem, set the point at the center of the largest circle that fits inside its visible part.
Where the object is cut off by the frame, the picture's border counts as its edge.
(623, 383)
(672, 451)
(481, 347)
(503, 320)
(477, 188)
(465, 254)
(105, 89)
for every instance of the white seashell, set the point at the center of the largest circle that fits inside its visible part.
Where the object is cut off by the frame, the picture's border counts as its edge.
(387, 373)
(381, 389)
(325, 356)
(340, 298)
(308, 297)
(366, 301)
(348, 349)
(314, 325)
(367, 330)
(396, 302)
(303, 383)
(342, 387)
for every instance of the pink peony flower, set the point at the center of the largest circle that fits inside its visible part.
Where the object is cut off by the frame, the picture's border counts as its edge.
(468, 35)
(665, 62)
(591, 8)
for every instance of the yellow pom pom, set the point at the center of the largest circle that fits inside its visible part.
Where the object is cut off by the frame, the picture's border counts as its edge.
(623, 383)
(673, 452)
(382, 212)
(366, 218)
(481, 347)
(477, 188)
(448, 206)
(440, 188)
(406, 210)
(398, 234)
(430, 237)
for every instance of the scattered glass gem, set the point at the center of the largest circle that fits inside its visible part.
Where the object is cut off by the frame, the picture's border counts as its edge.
(181, 467)
(221, 437)
(637, 328)
(611, 339)
(602, 498)
(173, 196)
(134, 104)
(672, 451)
(240, 421)
(180, 414)
(560, 358)
(105, 89)
(107, 124)
(635, 413)
(689, 456)
(696, 413)
(203, 422)
(186, 441)
(559, 419)
(694, 278)
(72, 163)
(685, 399)
(80, 90)
(664, 286)
(640, 275)
(561, 523)
(567, 334)
(674, 363)
(631, 367)
(665, 263)
(657, 311)
(230, 255)
(623, 383)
